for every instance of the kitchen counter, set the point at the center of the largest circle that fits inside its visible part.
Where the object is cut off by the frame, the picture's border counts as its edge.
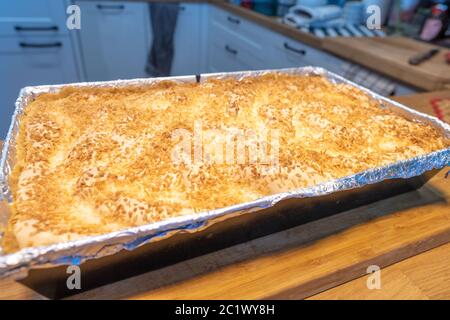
(270, 23)
(388, 56)
(407, 236)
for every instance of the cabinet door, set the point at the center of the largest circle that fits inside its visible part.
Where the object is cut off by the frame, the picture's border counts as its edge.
(187, 42)
(240, 27)
(115, 38)
(230, 53)
(29, 62)
(229, 49)
(286, 53)
(31, 17)
(223, 58)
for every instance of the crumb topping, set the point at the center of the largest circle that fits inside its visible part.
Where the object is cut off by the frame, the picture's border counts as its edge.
(95, 160)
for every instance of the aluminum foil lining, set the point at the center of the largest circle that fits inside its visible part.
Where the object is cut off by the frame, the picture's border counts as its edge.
(76, 252)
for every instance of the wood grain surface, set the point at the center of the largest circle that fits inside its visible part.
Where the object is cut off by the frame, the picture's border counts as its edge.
(425, 276)
(390, 56)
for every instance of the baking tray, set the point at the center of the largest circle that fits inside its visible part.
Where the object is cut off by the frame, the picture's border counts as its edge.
(154, 245)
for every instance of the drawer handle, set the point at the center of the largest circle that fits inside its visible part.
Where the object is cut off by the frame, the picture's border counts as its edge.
(41, 45)
(51, 28)
(230, 50)
(299, 51)
(233, 20)
(110, 6)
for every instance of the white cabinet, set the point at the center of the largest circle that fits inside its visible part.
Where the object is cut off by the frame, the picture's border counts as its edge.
(286, 53)
(237, 44)
(35, 49)
(234, 44)
(115, 39)
(227, 52)
(226, 55)
(188, 40)
(29, 62)
(31, 17)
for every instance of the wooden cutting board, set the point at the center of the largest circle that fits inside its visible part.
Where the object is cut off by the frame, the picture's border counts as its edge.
(390, 56)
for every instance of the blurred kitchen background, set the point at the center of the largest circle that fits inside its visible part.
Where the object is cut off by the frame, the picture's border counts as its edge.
(137, 39)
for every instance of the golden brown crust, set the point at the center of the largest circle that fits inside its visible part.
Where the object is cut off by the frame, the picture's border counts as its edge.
(95, 160)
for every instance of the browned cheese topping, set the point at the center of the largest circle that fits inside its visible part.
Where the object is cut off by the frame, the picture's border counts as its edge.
(96, 160)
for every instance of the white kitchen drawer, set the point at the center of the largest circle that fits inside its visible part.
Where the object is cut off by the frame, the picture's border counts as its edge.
(287, 53)
(34, 61)
(217, 30)
(228, 53)
(31, 17)
(242, 28)
(276, 51)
